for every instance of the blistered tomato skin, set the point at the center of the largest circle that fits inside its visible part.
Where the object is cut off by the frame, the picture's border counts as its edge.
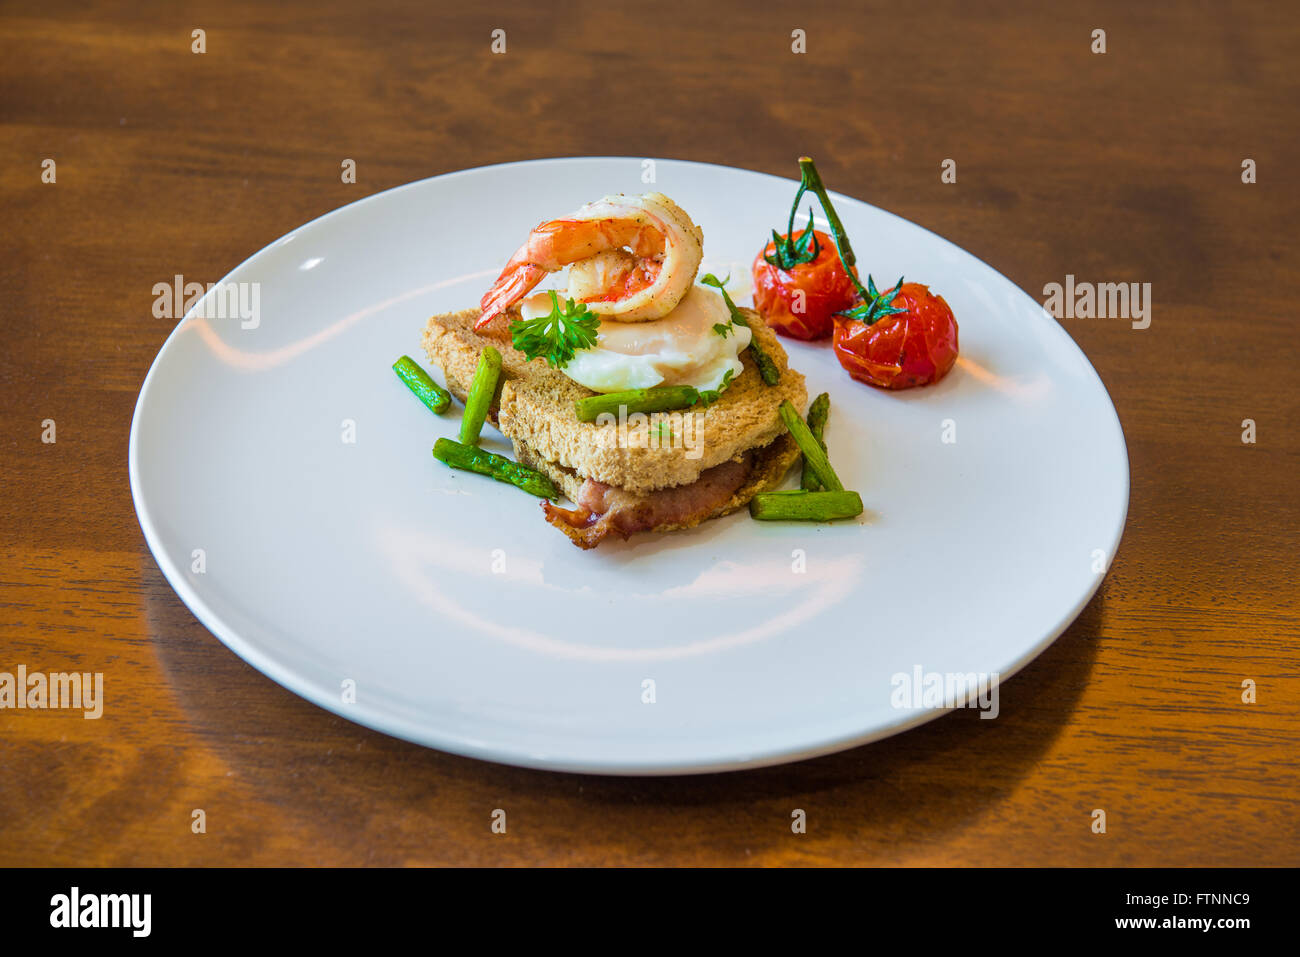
(907, 349)
(825, 285)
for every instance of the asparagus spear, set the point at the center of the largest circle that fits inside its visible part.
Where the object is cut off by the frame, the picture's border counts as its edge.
(481, 391)
(802, 506)
(659, 399)
(473, 459)
(813, 454)
(418, 381)
(817, 413)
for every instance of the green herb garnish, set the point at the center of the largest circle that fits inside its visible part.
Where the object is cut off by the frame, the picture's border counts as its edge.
(558, 336)
(767, 369)
(710, 396)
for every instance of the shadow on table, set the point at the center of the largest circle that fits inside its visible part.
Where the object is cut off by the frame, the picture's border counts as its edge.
(356, 796)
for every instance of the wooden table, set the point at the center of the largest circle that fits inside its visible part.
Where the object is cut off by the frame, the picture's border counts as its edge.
(1122, 166)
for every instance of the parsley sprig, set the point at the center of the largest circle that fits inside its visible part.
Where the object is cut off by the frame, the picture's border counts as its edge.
(558, 336)
(766, 367)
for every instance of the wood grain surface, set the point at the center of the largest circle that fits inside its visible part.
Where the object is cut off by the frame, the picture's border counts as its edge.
(1122, 166)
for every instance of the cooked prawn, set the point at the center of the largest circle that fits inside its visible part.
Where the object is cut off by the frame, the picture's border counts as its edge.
(633, 259)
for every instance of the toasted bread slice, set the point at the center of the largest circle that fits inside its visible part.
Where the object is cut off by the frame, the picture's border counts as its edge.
(534, 406)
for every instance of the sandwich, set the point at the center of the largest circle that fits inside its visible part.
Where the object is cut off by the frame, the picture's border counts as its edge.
(643, 393)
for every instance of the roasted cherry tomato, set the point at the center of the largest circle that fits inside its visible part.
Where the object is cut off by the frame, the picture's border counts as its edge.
(825, 286)
(911, 340)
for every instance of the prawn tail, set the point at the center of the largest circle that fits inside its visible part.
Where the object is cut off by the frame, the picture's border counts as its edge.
(512, 285)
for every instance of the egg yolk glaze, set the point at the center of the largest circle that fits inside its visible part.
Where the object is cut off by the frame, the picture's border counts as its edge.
(682, 348)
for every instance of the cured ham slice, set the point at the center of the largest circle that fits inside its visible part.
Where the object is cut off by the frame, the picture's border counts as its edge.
(603, 509)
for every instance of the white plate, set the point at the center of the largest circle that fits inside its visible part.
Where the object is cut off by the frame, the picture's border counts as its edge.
(467, 623)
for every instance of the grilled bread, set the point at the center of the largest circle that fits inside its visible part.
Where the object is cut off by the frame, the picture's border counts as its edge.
(534, 404)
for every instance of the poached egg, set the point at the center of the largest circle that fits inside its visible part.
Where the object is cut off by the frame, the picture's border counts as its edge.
(682, 348)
